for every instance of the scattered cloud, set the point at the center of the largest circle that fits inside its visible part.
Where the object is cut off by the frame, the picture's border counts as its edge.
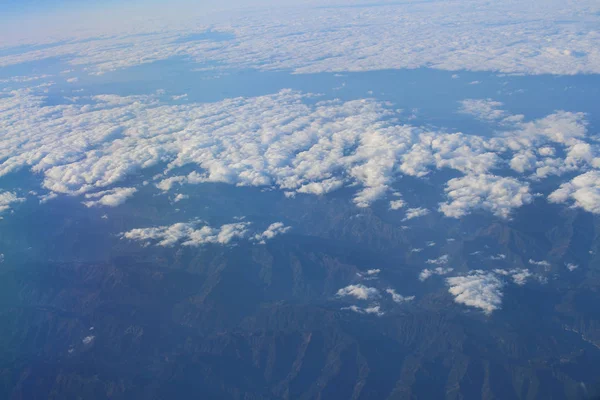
(373, 309)
(109, 198)
(398, 298)
(479, 289)
(359, 291)
(415, 213)
(583, 191)
(8, 198)
(542, 263)
(428, 273)
(275, 229)
(572, 267)
(442, 260)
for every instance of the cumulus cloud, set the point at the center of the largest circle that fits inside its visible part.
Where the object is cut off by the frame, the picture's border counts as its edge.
(398, 298)
(194, 234)
(288, 141)
(8, 198)
(542, 263)
(373, 309)
(415, 213)
(583, 191)
(359, 291)
(109, 198)
(396, 204)
(428, 273)
(519, 275)
(496, 194)
(484, 109)
(479, 289)
(439, 261)
(275, 229)
(572, 267)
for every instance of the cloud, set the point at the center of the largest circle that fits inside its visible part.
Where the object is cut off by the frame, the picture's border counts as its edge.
(572, 267)
(373, 309)
(8, 198)
(109, 198)
(442, 260)
(518, 275)
(288, 141)
(275, 229)
(193, 234)
(479, 289)
(397, 204)
(415, 213)
(542, 263)
(398, 298)
(458, 36)
(428, 273)
(583, 191)
(88, 340)
(359, 291)
(498, 195)
(484, 109)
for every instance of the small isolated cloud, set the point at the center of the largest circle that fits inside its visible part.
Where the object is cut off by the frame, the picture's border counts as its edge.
(373, 309)
(275, 229)
(397, 204)
(519, 275)
(428, 273)
(373, 272)
(359, 291)
(416, 250)
(572, 267)
(542, 263)
(88, 339)
(442, 260)
(415, 213)
(483, 109)
(479, 289)
(398, 298)
(109, 198)
(498, 257)
(180, 197)
(8, 198)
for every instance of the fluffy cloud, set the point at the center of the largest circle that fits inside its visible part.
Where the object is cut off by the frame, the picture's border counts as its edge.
(374, 309)
(542, 263)
(484, 109)
(359, 291)
(583, 191)
(415, 213)
(287, 140)
(498, 195)
(428, 273)
(8, 198)
(518, 275)
(398, 298)
(109, 198)
(192, 234)
(439, 261)
(397, 204)
(479, 289)
(273, 230)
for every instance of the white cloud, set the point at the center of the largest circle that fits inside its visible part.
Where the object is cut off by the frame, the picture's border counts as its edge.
(572, 267)
(398, 298)
(359, 291)
(466, 35)
(373, 272)
(428, 273)
(8, 198)
(542, 263)
(190, 234)
(583, 191)
(442, 260)
(397, 204)
(109, 198)
(415, 213)
(484, 109)
(374, 309)
(498, 195)
(519, 275)
(479, 289)
(275, 229)
(88, 339)
(498, 257)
